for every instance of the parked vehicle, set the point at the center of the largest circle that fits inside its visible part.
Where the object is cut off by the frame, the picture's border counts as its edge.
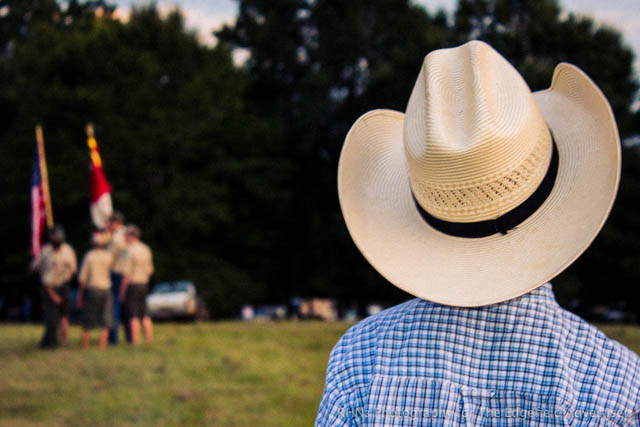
(176, 300)
(270, 312)
(616, 313)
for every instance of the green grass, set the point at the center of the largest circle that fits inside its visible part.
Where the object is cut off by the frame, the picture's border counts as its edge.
(227, 374)
(627, 335)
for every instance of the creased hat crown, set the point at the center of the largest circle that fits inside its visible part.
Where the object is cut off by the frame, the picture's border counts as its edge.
(475, 141)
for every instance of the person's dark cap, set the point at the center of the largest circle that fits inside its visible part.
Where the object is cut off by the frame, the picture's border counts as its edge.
(133, 230)
(57, 233)
(117, 216)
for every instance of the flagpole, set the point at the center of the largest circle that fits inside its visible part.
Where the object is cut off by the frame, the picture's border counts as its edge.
(45, 177)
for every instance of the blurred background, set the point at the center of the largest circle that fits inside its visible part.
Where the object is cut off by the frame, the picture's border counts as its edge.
(220, 124)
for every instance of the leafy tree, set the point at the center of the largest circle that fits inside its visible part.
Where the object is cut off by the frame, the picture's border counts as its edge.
(231, 173)
(535, 38)
(19, 16)
(185, 160)
(316, 66)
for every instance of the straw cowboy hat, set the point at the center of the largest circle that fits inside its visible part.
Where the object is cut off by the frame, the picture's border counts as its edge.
(482, 190)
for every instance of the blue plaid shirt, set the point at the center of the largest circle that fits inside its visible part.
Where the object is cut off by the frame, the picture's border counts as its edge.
(521, 362)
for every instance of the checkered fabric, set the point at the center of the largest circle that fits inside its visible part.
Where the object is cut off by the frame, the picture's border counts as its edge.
(523, 362)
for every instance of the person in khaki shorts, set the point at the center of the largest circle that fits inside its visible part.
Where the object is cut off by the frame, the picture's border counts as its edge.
(56, 264)
(137, 270)
(94, 294)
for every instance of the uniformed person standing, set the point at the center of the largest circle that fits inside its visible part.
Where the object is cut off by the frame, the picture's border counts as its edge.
(137, 270)
(118, 247)
(94, 293)
(56, 264)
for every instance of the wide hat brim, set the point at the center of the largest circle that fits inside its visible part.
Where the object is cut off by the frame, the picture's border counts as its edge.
(380, 213)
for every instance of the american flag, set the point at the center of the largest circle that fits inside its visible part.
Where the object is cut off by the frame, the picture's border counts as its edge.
(37, 206)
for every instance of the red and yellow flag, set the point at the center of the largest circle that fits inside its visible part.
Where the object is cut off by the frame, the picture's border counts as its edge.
(101, 206)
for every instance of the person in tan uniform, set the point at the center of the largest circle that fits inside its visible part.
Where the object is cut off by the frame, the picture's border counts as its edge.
(137, 271)
(118, 247)
(94, 293)
(56, 264)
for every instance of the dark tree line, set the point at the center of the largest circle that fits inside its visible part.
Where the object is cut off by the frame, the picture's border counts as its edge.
(230, 171)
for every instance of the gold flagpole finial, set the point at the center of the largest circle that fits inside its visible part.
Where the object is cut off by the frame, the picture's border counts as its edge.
(91, 140)
(89, 129)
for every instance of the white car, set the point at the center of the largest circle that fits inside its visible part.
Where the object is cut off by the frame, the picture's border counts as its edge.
(170, 300)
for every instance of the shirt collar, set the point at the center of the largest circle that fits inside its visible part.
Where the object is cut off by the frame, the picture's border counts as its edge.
(541, 295)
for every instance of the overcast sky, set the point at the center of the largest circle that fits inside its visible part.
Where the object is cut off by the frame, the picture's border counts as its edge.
(207, 15)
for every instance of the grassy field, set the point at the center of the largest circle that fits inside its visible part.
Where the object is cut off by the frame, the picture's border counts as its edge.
(227, 374)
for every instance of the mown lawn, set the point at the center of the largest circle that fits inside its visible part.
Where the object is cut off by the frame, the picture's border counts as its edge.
(227, 374)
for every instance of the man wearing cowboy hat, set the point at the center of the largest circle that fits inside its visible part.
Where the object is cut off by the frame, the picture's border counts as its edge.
(472, 200)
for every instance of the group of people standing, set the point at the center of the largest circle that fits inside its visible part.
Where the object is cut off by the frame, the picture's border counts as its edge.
(113, 282)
